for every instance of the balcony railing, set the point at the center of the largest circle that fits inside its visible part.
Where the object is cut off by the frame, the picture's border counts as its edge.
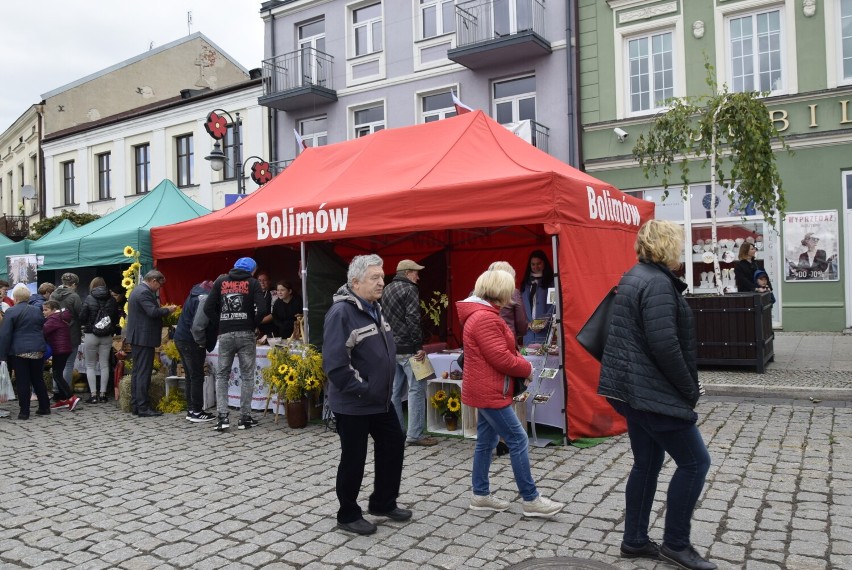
(279, 165)
(479, 21)
(298, 79)
(15, 226)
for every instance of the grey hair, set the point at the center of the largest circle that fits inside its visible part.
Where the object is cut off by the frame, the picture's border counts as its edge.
(359, 265)
(503, 266)
(153, 275)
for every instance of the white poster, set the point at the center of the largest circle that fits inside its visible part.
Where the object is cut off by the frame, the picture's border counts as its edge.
(23, 269)
(811, 246)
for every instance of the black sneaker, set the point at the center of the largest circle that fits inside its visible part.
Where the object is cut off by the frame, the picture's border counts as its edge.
(649, 550)
(246, 422)
(199, 417)
(223, 424)
(688, 558)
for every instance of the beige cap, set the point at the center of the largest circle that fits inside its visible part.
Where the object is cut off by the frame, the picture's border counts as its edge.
(408, 265)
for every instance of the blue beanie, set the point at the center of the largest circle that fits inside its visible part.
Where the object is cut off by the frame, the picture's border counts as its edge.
(246, 264)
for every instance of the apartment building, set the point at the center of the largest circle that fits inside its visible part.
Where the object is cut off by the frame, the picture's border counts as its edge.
(635, 54)
(21, 196)
(335, 70)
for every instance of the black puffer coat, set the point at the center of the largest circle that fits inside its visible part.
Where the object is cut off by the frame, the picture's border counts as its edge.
(99, 297)
(649, 359)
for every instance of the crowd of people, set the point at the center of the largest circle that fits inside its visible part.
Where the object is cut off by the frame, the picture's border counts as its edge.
(371, 335)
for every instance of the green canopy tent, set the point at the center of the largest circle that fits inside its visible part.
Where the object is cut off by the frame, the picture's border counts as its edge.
(102, 241)
(23, 247)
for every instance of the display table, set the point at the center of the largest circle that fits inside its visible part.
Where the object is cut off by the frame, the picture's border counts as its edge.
(235, 380)
(547, 409)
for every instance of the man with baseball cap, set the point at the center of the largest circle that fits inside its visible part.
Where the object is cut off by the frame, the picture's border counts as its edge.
(236, 301)
(401, 306)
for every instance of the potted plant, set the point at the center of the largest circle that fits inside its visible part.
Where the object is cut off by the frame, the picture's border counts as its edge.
(734, 134)
(448, 406)
(295, 375)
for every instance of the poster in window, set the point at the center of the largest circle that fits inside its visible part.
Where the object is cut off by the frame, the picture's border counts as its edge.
(811, 247)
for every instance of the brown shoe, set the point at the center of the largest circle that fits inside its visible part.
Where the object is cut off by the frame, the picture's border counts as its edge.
(423, 441)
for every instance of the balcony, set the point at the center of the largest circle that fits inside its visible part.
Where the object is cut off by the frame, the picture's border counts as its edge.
(496, 32)
(15, 227)
(278, 166)
(298, 80)
(533, 132)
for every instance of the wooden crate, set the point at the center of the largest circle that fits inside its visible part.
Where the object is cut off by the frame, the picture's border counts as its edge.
(734, 329)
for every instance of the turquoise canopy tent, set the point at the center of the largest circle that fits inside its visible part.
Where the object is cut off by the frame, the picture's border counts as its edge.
(102, 242)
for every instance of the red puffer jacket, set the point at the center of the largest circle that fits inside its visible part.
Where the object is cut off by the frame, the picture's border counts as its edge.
(490, 353)
(57, 333)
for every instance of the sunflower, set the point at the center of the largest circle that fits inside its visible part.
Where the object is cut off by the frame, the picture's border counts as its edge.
(282, 369)
(127, 282)
(135, 266)
(440, 396)
(453, 405)
(129, 251)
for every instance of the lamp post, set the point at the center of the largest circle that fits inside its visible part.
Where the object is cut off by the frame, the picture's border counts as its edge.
(217, 127)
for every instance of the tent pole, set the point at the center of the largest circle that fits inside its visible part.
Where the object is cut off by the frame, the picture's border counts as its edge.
(303, 275)
(557, 322)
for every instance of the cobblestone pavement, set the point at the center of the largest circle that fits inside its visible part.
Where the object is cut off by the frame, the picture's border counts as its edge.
(101, 489)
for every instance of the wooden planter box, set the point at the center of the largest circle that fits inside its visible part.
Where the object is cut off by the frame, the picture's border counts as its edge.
(734, 329)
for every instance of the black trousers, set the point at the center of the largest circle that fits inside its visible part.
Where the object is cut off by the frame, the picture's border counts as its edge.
(140, 376)
(60, 386)
(389, 443)
(192, 357)
(28, 373)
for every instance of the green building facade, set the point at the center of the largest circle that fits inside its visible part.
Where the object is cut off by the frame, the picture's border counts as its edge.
(634, 54)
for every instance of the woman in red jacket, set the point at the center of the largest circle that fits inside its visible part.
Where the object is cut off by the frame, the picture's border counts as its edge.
(491, 361)
(58, 337)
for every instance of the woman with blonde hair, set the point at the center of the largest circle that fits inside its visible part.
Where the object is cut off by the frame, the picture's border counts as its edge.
(21, 336)
(649, 375)
(492, 362)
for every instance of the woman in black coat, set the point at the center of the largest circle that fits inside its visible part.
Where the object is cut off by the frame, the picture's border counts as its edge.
(21, 336)
(745, 268)
(285, 308)
(649, 375)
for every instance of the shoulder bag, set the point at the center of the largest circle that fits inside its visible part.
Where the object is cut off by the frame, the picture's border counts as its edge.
(594, 333)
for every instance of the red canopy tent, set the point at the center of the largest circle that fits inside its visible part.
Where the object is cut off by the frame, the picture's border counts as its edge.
(465, 184)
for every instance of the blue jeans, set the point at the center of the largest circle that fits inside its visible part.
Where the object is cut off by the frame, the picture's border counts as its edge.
(687, 449)
(242, 345)
(416, 398)
(494, 423)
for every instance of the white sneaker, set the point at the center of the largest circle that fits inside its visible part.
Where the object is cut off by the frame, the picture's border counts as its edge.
(542, 507)
(488, 503)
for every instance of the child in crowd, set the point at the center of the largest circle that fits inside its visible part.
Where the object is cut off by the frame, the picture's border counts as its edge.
(58, 337)
(761, 282)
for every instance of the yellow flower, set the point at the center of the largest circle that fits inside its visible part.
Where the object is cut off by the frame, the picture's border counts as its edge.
(282, 369)
(135, 266)
(440, 395)
(129, 251)
(453, 405)
(127, 282)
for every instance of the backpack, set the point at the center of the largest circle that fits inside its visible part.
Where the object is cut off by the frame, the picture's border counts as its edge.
(103, 322)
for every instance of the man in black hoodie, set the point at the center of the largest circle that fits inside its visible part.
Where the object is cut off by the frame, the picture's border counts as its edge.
(236, 301)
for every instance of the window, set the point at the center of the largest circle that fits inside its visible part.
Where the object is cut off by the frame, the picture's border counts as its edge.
(314, 131)
(846, 39)
(755, 52)
(312, 41)
(142, 159)
(436, 106)
(185, 162)
(367, 29)
(512, 16)
(437, 17)
(230, 170)
(650, 69)
(514, 100)
(369, 120)
(103, 176)
(68, 183)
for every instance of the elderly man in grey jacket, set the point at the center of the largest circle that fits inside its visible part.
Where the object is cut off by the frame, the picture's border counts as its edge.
(359, 359)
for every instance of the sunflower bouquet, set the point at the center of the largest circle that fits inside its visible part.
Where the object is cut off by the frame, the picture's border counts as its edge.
(447, 402)
(130, 278)
(293, 374)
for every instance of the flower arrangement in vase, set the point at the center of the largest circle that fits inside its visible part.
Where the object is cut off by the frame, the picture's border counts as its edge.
(448, 406)
(293, 374)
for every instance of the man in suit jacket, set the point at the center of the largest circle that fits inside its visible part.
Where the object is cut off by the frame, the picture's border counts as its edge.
(144, 333)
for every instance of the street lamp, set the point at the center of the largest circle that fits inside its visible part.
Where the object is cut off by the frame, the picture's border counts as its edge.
(217, 127)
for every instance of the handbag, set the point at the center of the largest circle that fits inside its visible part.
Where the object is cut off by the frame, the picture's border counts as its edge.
(6, 391)
(594, 333)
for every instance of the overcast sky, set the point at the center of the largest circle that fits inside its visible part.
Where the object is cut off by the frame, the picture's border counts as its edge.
(49, 43)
